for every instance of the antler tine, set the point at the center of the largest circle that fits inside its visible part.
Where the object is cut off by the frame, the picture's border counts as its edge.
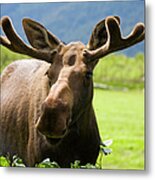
(115, 41)
(5, 42)
(13, 42)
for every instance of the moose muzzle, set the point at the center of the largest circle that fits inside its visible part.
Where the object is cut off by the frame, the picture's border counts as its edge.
(56, 111)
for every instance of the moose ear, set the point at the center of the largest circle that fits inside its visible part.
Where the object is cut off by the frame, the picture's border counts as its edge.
(99, 35)
(38, 36)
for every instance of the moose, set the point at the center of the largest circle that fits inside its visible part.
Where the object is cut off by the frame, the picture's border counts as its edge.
(46, 102)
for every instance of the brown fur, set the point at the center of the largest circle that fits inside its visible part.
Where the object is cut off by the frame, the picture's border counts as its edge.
(22, 109)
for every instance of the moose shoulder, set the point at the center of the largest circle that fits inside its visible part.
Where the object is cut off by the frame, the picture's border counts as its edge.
(46, 102)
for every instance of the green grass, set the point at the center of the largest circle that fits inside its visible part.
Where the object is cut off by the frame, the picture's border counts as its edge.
(120, 117)
(7, 57)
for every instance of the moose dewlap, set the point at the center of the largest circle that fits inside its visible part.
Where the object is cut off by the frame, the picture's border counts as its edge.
(46, 102)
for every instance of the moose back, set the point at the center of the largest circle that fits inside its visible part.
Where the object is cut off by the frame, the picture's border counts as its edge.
(46, 102)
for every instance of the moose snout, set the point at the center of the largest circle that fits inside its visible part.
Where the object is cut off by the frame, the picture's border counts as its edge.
(54, 122)
(56, 113)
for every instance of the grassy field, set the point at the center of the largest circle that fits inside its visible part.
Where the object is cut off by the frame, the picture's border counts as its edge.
(120, 117)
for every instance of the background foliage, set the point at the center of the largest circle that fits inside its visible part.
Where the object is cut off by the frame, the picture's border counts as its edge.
(116, 71)
(121, 72)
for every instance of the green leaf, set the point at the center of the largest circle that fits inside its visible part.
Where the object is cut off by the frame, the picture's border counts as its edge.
(106, 151)
(107, 143)
(17, 162)
(47, 164)
(89, 166)
(76, 164)
(4, 162)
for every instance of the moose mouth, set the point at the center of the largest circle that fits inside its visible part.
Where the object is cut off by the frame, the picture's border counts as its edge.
(53, 141)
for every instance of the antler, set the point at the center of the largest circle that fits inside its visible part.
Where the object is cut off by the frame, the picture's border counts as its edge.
(15, 43)
(114, 39)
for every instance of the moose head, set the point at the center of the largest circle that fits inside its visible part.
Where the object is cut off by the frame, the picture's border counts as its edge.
(70, 74)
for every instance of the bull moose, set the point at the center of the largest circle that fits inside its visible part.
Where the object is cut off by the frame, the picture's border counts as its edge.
(46, 102)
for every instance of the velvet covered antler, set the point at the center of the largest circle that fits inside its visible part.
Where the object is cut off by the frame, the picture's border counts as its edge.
(113, 39)
(13, 42)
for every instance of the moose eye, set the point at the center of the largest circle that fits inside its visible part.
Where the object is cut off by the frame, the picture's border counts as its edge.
(71, 60)
(89, 74)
